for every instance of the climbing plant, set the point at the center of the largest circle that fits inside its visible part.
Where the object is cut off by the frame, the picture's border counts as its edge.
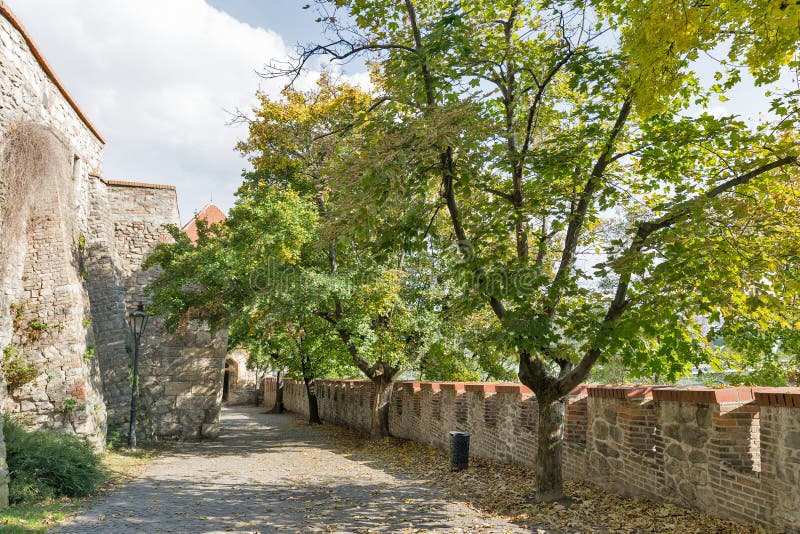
(16, 368)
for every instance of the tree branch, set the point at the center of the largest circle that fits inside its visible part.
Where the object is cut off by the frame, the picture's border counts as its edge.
(584, 202)
(351, 125)
(646, 228)
(683, 209)
(499, 193)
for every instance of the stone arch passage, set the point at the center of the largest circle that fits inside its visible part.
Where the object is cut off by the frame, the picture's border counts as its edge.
(46, 325)
(239, 382)
(231, 378)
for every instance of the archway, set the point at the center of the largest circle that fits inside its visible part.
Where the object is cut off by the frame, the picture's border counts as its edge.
(231, 378)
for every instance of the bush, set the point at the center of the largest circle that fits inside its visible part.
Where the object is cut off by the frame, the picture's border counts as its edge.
(115, 437)
(16, 368)
(47, 464)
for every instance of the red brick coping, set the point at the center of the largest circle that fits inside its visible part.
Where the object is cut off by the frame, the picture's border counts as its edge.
(475, 387)
(621, 392)
(120, 183)
(785, 397)
(788, 397)
(704, 395)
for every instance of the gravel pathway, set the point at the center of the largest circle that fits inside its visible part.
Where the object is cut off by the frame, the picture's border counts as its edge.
(272, 473)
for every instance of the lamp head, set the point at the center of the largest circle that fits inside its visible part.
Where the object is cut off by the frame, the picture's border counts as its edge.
(138, 320)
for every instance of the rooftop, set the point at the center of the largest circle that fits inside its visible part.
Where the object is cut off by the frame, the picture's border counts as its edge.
(210, 214)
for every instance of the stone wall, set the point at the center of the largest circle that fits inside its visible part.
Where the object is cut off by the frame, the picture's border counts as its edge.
(105, 283)
(180, 374)
(52, 323)
(71, 253)
(43, 214)
(731, 452)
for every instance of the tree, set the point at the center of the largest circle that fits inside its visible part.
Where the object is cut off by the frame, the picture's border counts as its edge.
(371, 296)
(241, 275)
(594, 218)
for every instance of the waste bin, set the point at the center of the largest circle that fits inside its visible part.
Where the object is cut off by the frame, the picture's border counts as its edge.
(459, 450)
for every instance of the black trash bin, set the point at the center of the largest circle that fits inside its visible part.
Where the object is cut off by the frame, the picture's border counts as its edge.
(459, 450)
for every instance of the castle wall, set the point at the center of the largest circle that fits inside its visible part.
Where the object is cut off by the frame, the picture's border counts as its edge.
(43, 214)
(71, 250)
(51, 323)
(731, 452)
(106, 287)
(180, 374)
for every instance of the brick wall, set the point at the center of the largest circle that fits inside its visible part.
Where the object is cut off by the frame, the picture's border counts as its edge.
(731, 452)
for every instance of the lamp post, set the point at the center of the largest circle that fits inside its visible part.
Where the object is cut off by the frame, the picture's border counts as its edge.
(137, 322)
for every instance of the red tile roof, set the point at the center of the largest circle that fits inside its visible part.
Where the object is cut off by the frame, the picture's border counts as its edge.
(211, 214)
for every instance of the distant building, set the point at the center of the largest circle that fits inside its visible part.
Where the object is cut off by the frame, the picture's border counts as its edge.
(239, 382)
(210, 214)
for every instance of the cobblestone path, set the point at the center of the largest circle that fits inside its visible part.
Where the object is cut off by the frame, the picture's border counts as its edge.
(271, 473)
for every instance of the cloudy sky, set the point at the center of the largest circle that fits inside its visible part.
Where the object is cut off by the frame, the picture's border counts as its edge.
(159, 79)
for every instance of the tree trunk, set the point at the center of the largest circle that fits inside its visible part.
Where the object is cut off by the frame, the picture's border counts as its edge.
(313, 407)
(382, 402)
(259, 381)
(550, 444)
(279, 392)
(311, 390)
(278, 407)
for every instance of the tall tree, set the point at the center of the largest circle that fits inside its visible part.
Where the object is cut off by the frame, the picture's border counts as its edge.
(242, 275)
(594, 217)
(370, 300)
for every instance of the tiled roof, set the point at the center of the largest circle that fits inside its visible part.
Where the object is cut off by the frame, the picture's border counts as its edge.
(211, 214)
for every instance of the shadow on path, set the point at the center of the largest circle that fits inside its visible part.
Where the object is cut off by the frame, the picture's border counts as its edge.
(268, 473)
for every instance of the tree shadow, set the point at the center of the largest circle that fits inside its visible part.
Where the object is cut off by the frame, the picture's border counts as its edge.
(331, 498)
(181, 505)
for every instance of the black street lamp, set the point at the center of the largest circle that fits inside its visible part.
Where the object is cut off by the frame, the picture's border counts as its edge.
(137, 322)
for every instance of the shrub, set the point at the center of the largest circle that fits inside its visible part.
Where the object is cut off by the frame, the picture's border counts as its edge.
(89, 354)
(47, 464)
(115, 437)
(35, 329)
(16, 368)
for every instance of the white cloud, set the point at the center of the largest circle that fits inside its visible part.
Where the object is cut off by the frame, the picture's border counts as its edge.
(157, 79)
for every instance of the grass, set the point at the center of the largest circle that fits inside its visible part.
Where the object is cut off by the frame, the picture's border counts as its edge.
(29, 518)
(120, 464)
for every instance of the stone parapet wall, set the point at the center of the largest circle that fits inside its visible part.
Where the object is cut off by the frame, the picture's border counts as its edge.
(731, 452)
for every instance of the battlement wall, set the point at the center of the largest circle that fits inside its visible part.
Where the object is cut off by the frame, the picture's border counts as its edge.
(731, 452)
